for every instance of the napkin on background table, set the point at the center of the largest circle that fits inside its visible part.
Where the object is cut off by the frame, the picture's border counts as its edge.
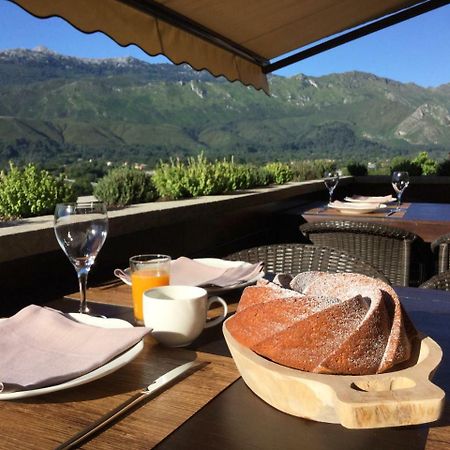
(43, 347)
(356, 205)
(370, 199)
(193, 273)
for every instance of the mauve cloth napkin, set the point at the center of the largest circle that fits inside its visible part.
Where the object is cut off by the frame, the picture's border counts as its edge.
(192, 273)
(42, 347)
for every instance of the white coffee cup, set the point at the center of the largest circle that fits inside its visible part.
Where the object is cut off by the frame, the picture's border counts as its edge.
(177, 314)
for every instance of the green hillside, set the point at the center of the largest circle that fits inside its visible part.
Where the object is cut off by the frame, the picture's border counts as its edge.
(60, 108)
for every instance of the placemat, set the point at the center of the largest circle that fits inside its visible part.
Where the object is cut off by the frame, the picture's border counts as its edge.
(46, 421)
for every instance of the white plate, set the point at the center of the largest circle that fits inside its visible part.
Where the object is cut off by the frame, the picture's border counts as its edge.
(370, 199)
(100, 372)
(357, 208)
(213, 262)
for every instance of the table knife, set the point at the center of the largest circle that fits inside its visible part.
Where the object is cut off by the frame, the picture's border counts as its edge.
(155, 388)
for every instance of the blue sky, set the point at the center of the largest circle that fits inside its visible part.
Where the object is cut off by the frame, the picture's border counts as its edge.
(415, 51)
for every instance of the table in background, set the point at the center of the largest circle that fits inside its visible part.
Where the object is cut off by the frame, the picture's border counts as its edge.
(235, 418)
(428, 220)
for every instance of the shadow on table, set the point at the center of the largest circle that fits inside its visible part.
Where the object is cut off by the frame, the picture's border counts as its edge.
(244, 421)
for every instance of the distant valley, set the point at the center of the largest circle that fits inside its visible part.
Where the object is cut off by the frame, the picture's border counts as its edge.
(58, 109)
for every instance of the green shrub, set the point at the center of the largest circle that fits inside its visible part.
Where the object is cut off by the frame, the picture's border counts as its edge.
(31, 192)
(198, 176)
(279, 173)
(357, 169)
(312, 170)
(124, 186)
(401, 164)
(443, 168)
(82, 187)
(428, 165)
(261, 176)
(239, 176)
(174, 180)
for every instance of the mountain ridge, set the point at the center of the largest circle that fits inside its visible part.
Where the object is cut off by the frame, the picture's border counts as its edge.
(128, 109)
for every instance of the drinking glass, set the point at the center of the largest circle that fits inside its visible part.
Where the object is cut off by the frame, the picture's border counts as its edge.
(331, 180)
(400, 181)
(147, 271)
(81, 230)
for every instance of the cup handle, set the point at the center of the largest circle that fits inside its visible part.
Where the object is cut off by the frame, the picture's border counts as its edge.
(217, 320)
(119, 273)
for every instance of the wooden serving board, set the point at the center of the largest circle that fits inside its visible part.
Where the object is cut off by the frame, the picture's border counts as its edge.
(402, 397)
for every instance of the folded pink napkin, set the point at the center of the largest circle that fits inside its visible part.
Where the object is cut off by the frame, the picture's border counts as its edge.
(193, 273)
(43, 347)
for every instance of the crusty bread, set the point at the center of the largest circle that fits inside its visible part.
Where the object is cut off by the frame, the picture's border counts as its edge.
(326, 323)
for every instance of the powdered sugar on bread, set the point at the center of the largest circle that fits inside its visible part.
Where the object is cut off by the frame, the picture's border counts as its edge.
(325, 323)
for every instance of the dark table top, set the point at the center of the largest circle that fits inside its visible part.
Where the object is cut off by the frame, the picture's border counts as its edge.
(428, 220)
(238, 419)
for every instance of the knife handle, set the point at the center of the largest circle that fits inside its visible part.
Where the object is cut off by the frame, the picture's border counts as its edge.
(103, 421)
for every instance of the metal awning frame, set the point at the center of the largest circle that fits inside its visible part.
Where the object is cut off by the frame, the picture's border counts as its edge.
(362, 31)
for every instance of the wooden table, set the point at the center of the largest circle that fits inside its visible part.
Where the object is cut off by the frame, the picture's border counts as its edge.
(234, 418)
(428, 220)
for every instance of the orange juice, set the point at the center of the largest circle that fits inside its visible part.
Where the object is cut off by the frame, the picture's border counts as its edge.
(144, 279)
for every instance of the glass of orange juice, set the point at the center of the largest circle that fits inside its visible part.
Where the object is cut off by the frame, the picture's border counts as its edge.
(147, 271)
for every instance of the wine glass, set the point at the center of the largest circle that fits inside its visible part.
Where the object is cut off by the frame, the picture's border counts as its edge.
(81, 230)
(400, 181)
(331, 179)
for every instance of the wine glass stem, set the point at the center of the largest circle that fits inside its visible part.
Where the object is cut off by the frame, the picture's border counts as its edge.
(399, 200)
(82, 281)
(332, 193)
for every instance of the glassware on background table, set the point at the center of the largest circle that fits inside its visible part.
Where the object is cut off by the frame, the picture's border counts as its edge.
(81, 230)
(147, 271)
(331, 180)
(400, 181)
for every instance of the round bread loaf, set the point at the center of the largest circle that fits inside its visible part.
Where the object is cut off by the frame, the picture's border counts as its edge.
(325, 323)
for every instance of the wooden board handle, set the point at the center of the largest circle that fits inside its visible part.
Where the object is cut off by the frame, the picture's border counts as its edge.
(365, 401)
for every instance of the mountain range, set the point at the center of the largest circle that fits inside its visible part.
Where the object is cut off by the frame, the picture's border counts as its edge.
(61, 108)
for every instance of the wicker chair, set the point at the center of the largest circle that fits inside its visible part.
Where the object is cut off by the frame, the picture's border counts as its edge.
(294, 258)
(440, 249)
(440, 282)
(386, 248)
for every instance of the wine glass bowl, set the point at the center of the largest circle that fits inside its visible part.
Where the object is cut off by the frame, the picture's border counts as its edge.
(400, 181)
(331, 180)
(81, 229)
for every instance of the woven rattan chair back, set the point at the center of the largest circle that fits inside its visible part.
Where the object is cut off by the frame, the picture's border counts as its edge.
(440, 282)
(440, 249)
(294, 258)
(386, 248)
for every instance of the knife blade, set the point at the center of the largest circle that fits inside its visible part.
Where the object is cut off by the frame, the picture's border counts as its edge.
(156, 387)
